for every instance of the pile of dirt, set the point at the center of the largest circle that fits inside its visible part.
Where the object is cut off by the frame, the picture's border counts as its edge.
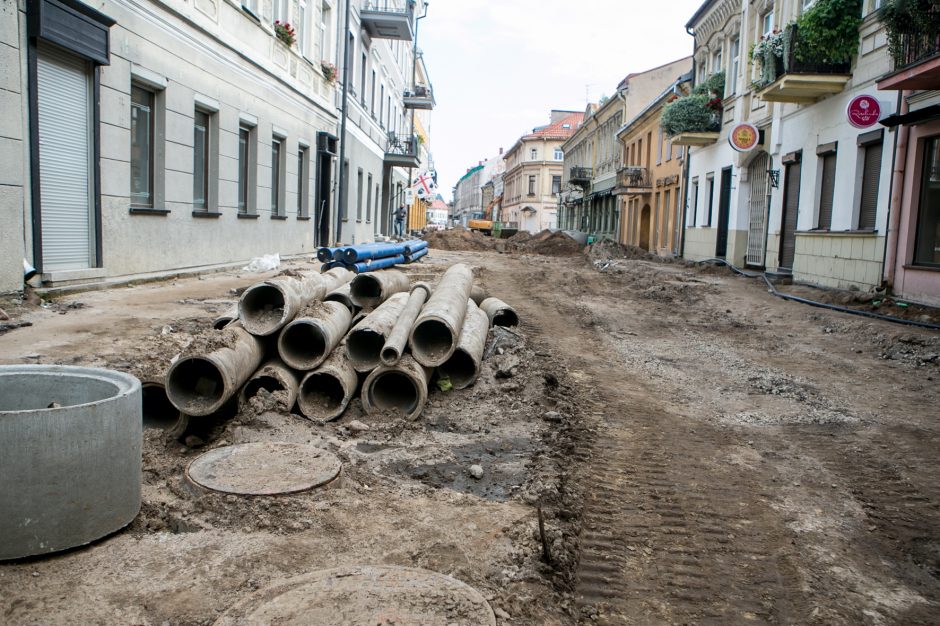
(459, 238)
(550, 243)
(608, 250)
(872, 301)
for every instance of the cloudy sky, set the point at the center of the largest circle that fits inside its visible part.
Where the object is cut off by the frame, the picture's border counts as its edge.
(499, 67)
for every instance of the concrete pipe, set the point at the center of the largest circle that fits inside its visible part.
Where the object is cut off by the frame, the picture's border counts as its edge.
(70, 456)
(274, 376)
(478, 295)
(157, 411)
(306, 342)
(336, 277)
(436, 332)
(201, 383)
(402, 388)
(326, 391)
(398, 338)
(268, 306)
(374, 288)
(226, 318)
(341, 295)
(499, 313)
(367, 338)
(463, 367)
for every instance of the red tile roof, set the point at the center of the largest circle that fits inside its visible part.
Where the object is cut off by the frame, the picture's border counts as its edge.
(562, 129)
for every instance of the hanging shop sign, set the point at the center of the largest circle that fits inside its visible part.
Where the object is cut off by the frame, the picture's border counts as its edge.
(744, 137)
(863, 111)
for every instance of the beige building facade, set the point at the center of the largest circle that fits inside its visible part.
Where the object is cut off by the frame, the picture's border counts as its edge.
(533, 177)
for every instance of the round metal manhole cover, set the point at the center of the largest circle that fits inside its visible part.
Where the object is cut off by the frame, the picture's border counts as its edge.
(374, 595)
(264, 469)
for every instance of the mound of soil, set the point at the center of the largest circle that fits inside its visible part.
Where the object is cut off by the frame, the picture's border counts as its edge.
(552, 244)
(608, 250)
(459, 239)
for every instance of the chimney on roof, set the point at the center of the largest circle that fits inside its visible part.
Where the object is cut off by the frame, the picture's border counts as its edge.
(558, 115)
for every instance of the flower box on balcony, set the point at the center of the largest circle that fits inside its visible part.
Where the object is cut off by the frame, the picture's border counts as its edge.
(691, 138)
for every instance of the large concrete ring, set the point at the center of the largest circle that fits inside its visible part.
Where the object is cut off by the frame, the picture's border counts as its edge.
(70, 463)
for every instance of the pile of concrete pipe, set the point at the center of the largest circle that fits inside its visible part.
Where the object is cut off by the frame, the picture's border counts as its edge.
(317, 341)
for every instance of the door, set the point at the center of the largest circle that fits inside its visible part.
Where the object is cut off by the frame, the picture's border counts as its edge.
(324, 178)
(645, 227)
(67, 221)
(758, 174)
(791, 204)
(724, 212)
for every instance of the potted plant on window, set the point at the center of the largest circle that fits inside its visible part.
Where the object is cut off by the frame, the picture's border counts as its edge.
(285, 32)
(768, 49)
(329, 70)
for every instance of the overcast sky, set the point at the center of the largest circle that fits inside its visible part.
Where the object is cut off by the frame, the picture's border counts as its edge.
(499, 67)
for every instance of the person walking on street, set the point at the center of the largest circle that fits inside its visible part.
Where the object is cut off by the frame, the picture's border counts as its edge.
(400, 220)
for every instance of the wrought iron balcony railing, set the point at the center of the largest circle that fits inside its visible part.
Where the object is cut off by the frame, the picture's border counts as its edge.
(790, 64)
(633, 177)
(402, 150)
(384, 19)
(910, 47)
(580, 175)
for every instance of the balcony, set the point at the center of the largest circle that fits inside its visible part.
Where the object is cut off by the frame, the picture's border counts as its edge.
(402, 151)
(581, 176)
(916, 55)
(422, 97)
(803, 82)
(632, 180)
(694, 138)
(383, 20)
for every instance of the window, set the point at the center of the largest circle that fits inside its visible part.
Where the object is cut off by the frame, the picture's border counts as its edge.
(301, 27)
(246, 159)
(372, 95)
(559, 155)
(381, 105)
(927, 239)
(303, 182)
(142, 122)
(533, 154)
(359, 196)
(659, 147)
(710, 190)
(326, 21)
(808, 3)
(827, 188)
(251, 5)
(767, 23)
(734, 67)
(871, 173)
(376, 205)
(277, 173)
(200, 161)
(694, 204)
(716, 61)
(556, 185)
(531, 185)
(343, 207)
(362, 78)
(369, 199)
(280, 10)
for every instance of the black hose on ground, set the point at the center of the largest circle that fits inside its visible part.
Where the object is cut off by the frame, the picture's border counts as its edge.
(822, 305)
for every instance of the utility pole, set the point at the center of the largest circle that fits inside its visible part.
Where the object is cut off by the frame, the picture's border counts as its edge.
(343, 183)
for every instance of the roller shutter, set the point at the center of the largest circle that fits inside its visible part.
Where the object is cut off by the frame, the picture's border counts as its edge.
(870, 176)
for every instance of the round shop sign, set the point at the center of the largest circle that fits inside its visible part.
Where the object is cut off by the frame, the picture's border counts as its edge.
(744, 137)
(863, 111)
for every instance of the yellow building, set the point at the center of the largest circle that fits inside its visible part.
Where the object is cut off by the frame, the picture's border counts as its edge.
(649, 184)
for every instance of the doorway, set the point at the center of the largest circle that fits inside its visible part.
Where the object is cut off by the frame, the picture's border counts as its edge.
(724, 212)
(645, 227)
(758, 176)
(791, 205)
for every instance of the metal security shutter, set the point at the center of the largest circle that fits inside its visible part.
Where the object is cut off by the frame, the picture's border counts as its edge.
(757, 174)
(65, 173)
(791, 206)
(870, 176)
(828, 188)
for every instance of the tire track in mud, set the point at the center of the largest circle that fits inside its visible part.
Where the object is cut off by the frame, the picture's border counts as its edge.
(668, 531)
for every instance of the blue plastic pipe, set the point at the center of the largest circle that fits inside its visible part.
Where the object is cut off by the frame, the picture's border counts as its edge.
(355, 254)
(413, 246)
(325, 255)
(411, 258)
(377, 264)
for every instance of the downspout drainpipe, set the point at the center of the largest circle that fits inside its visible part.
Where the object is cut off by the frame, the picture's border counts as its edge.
(897, 194)
(343, 183)
(687, 166)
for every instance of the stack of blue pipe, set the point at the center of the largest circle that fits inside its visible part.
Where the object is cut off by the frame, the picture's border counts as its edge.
(372, 256)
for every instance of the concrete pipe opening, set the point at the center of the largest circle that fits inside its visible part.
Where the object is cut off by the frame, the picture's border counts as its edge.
(395, 391)
(366, 290)
(157, 410)
(432, 340)
(506, 318)
(256, 384)
(364, 347)
(197, 384)
(261, 309)
(390, 355)
(460, 369)
(302, 345)
(70, 456)
(321, 395)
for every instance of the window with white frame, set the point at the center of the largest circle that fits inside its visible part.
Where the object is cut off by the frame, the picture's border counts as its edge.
(533, 154)
(734, 66)
(767, 23)
(301, 27)
(559, 155)
(280, 10)
(716, 61)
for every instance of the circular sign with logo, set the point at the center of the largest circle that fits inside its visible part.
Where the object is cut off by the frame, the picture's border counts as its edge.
(744, 137)
(863, 111)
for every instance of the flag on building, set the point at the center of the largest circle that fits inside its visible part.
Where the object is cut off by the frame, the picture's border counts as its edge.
(424, 186)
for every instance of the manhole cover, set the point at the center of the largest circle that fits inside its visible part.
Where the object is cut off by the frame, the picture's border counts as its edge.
(374, 595)
(264, 469)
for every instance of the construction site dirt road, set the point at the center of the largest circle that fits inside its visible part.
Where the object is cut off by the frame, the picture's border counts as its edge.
(700, 451)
